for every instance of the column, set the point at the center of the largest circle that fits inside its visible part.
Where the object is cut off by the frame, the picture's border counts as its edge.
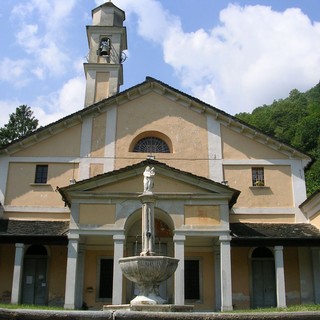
(17, 274)
(217, 278)
(280, 283)
(117, 273)
(71, 278)
(179, 274)
(225, 268)
(316, 273)
(80, 277)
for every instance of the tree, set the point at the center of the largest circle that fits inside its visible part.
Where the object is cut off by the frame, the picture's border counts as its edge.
(21, 123)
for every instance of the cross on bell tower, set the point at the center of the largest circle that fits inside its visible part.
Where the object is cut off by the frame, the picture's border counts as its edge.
(107, 38)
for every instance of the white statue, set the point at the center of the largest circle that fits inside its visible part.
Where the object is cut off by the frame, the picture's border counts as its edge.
(148, 175)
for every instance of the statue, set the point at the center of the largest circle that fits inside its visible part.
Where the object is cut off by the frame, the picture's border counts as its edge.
(148, 175)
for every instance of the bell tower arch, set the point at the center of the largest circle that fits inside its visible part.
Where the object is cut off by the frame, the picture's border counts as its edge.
(107, 38)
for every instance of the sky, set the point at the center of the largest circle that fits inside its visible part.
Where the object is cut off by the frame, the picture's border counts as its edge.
(234, 55)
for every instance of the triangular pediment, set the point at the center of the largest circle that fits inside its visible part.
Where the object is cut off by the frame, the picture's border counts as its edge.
(168, 181)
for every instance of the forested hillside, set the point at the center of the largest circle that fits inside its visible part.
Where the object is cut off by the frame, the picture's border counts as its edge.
(294, 120)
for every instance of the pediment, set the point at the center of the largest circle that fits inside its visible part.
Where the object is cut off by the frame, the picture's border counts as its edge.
(128, 182)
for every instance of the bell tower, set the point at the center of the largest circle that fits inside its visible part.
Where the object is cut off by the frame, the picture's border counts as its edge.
(107, 38)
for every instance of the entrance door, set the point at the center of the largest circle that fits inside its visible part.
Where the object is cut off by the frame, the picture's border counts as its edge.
(263, 279)
(34, 285)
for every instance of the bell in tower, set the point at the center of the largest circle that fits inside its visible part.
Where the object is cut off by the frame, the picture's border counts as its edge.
(107, 38)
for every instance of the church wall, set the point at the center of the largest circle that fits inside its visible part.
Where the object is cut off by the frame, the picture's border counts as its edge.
(57, 275)
(98, 135)
(292, 276)
(97, 214)
(63, 144)
(22, 191)
(263, 218)
(240, 266)
(207, 283)
(315, 220)
(277, 179)
(236, 146)
(185, 128)
(7, 253)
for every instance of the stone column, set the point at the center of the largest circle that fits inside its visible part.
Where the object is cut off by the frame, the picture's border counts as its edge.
(217, 277)
(71, 277)
(179, 274)
(80, 276)
(316, 273)
(17, 274)
(280, 282)
(117, 273)
(148, 233)
(225, 268)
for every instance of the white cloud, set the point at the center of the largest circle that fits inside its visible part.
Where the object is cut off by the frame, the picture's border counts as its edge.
(254, 56)
(69, 99)
(7, 107)
(14, 71)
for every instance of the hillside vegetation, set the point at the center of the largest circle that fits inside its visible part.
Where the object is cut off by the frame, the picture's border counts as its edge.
(296, 121)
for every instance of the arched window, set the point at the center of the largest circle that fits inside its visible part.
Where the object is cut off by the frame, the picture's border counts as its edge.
(151, 145)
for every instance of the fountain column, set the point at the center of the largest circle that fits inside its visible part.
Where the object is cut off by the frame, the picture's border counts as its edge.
(148, 239)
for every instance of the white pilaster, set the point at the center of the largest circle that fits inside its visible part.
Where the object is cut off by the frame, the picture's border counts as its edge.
(179, 274)
(17, 274)
(214, 149)
(225, 268)
(298, 188)
(85, 148)
(117, 273)
(71, 278)
(4, 166)
(110, 138)
(280, 282)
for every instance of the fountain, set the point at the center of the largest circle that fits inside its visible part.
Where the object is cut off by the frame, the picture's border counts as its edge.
(148, 270)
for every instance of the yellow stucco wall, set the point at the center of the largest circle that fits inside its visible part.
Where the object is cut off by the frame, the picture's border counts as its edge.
(237, 146)
(98, 135)
(240, 266)
(163, 184)
(315, 220)
(57, 274)
(292, 275)
(21, 190)
(185, 128)
(207, 284)
(277, 179)
(7, 253)
(62, 144)
(91, 277)
(202, 215)
(97, 214)
(263, 218)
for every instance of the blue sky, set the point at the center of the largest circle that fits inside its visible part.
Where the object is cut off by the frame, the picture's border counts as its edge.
(235, 55)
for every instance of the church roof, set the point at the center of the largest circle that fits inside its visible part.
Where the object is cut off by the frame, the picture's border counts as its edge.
(149, 85)
(247, 234)
(26, 231)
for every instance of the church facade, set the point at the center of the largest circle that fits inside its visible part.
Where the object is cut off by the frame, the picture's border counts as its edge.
(230, 201)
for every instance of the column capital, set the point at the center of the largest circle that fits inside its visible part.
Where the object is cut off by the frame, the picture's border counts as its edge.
(119, 237)
(19, 245)
(278, 248)
(179, 237)
(225, 238)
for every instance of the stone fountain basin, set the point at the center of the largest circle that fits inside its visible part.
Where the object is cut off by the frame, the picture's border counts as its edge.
(148, 269)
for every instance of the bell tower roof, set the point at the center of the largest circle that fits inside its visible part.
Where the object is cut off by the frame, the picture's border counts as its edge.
(108, 15)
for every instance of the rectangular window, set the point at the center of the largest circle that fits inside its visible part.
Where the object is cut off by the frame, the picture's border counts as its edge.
(192, 279)
(41, 173)
(258, 176)
(105, 278)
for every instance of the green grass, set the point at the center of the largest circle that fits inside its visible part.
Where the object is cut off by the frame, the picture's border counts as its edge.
(28, 306)
(295, 308)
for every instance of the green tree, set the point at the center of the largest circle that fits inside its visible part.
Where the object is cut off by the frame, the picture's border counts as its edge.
(21, 123)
